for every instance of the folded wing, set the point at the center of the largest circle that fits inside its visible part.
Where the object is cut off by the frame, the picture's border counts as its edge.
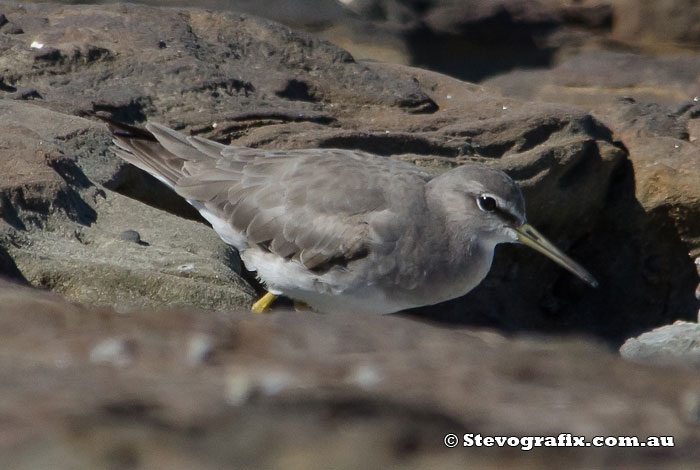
(322, 207)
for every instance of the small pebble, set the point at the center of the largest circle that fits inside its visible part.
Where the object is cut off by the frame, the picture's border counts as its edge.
(241, 385)
(366, 376)
(273, 382)
(239, 388)
(199, 349)
(115, 351)
(130, 236)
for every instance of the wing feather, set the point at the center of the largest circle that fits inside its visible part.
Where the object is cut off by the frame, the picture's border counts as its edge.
(322, 207)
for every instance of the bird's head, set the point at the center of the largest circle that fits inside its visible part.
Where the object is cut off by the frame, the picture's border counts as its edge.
(488, 207)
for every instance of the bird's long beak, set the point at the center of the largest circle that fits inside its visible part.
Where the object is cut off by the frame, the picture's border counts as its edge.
(527, 235)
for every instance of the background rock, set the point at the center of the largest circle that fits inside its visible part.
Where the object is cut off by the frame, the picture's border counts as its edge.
(677, 344)
(605, 151)
(62, 232)
(301, 390)
(233, 77)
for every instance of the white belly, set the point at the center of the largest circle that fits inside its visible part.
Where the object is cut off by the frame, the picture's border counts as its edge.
(348, 293)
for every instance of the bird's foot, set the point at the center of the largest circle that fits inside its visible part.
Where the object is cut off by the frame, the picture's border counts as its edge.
(300, 306)
(263, 304)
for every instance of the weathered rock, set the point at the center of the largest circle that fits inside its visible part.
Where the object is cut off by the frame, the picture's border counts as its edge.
(470, 40)
(477, 39)
(90, 388)
(62, 232)
(85, 388)
(677, 344)
(666, 160)
(595, 79)
(657, 23)
(651, 106)
(311, 14)
(237, 78)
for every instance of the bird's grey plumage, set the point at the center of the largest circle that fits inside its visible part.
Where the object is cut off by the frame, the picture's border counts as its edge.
(377, 233)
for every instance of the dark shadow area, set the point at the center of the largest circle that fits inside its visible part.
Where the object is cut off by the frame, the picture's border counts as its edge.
(71, 173)
(388, 144)
(482, 48)
(9, 270)
(75, 208)
(130, 112)
(646, 276)
(136, 184)
(297, 90)
(9, 214)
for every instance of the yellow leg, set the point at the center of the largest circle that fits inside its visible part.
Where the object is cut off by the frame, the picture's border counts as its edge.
(300, 306)
(263, 304)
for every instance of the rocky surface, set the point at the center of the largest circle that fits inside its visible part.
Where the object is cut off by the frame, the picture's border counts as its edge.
(64, 233)
(233, 77)
(85, 389)
(609, 171)
(677, 344)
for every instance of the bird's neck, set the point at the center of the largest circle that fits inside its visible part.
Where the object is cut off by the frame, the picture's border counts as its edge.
(464, 251)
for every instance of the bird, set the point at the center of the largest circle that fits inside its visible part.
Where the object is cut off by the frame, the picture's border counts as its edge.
(343, 230)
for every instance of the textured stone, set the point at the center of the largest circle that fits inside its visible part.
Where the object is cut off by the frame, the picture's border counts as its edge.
(677, 344)
(240, 79)
(85, 389)
(595, 79)
(61, 231)
(657, 23)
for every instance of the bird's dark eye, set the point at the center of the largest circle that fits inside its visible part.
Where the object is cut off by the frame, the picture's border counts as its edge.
(486, 203)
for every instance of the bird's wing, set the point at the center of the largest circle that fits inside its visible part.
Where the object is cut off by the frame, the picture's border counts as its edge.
(322, 207)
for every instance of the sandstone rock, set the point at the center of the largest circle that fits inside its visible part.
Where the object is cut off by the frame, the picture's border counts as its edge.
(657, 23)
(237, 78)
(677, 344)
(595, 79)
(61, 231)
(88, 387)
(85, 388)
(665, 159)
(475, 40)
(470, 40)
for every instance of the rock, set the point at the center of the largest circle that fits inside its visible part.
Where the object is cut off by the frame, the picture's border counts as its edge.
(240, 79)
(478, 39)
(132, 236)
(677, 344)
(86, 388)
(61, 231)
(451, 36)
(98, 385)
(595, 79)
(665, 159)
(638, 98)
(475, 40)
(657, 23)
(311, 14)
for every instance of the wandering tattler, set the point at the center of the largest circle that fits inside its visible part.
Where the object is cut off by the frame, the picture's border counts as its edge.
(343, 230)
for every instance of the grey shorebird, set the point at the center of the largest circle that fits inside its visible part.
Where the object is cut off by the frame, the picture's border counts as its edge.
(343, 230)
